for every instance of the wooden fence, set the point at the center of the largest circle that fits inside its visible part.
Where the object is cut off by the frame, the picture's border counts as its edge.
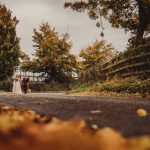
(130, 63)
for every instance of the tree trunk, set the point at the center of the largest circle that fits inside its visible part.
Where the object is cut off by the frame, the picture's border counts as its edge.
(144, 19)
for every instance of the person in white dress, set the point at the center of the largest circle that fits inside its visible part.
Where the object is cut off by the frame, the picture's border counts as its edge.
(17, 85)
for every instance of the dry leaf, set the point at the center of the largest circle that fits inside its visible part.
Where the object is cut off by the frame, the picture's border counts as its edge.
(142, 112)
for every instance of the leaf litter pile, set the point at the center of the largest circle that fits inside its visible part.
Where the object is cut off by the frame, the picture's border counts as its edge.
(26, 130)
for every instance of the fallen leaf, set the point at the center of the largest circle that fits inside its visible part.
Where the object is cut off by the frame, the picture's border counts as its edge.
(142, 112)
(95, 111)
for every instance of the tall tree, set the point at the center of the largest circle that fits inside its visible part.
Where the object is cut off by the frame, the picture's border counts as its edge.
(98, 52)
(9, 43)
(131, 15)
(52, 54)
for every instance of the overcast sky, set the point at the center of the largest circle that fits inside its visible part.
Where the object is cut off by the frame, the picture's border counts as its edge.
(82, 30)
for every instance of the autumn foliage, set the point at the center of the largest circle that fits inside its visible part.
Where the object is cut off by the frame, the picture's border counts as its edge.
(26, 130)
(98, 52)
(92, 59)
(52, 55)
(131, 15)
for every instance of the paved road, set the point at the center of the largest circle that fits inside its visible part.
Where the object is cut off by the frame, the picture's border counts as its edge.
(117, 113)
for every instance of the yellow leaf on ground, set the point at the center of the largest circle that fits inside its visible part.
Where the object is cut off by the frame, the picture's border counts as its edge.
(142, 112)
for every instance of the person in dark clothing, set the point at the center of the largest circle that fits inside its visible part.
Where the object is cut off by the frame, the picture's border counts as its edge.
(25, 84)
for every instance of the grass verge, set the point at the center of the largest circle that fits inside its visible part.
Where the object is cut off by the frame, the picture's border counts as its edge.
(126, 86)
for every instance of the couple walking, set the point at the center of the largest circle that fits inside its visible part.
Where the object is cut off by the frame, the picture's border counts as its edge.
(19, 85)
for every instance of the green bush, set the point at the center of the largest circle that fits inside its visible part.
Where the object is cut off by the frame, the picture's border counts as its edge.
(43, 87)
(6, 86)
(34, 86)
(39, 86)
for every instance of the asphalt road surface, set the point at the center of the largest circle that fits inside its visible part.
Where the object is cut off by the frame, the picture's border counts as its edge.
(117, 113)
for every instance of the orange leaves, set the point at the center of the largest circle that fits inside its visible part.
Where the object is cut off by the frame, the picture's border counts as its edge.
(26, 130)
(97, 52)
(142, 112)
(53, 53)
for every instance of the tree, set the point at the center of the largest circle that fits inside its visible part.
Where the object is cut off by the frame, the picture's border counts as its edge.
(98, 52)
(25, 64)
(9, 43)
(52, 54)
(131, 15)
